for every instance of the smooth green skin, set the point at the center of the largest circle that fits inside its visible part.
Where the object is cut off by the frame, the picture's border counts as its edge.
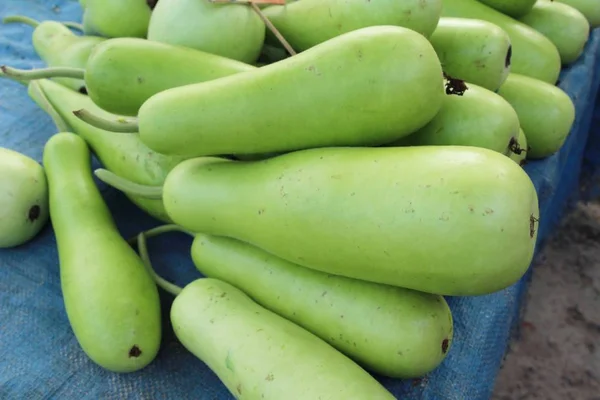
(389, 330)
(111, 301)
(512, 8)
(522, 141)
(545, 111)
(58, 46)
(123, 154)
(116, 18)
(306, 23)
(473, 50)
(478, 118)
(589, 8)
(259, 355)
(123, 73)
(230, 30)
(366, 87)
(439, 219)
(533, 54)
(23, 189)
(566, 27)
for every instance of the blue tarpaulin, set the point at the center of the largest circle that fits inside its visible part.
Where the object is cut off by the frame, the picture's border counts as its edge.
(40, 358)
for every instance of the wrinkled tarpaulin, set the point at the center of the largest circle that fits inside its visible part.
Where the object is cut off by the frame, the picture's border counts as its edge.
(39, 357)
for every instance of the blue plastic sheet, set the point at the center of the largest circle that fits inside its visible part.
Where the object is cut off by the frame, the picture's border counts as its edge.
(40, 358)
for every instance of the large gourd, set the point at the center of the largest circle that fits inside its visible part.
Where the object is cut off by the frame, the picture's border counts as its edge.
(447, 220)
(365, 87)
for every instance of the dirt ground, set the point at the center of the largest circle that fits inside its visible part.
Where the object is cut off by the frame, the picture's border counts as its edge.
(557, 355)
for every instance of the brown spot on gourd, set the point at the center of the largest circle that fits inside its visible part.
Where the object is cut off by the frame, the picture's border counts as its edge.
(488, 211)
(532, 221)
(140, 79)
(269, 378)
(239, 388)
(445, 344)
(135, 352)
(34, 213)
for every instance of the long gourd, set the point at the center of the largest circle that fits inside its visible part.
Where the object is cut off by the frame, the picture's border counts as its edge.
(307, 23)
(257, 354)
(123, 73)
(112, 304)
(533, 54)
(366, 87)
(440, 219)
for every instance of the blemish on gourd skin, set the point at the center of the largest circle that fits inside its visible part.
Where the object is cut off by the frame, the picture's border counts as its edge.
(34, 213)
(445, 344)
(507, 61)
(135, 352)
(239, 388)
(513, 146)
(532, 221)
(269, 378)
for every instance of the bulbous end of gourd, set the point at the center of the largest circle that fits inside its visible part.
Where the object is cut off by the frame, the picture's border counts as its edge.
(564, 25)
(117, 18)
(192, 24)
(24, 206)
(512, 8)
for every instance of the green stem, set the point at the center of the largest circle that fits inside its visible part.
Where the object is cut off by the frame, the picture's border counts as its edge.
(127, 186)
(160, 281)
(74, 25)
(121, 124)
(159, 230)
(37, 94)
(21, 18)
(34, 23)
(42, 73)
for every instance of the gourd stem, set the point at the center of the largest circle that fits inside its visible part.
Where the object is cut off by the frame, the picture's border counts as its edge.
(160, 281)
(37, 94)
(74, 25)
(121, 124)
(159, 230)
(34, 23)
(42, 73)
(275, 31)
(126, 186)
(21, 18)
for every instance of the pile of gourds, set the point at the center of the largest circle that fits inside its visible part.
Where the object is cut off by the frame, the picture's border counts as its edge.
(341, 166)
